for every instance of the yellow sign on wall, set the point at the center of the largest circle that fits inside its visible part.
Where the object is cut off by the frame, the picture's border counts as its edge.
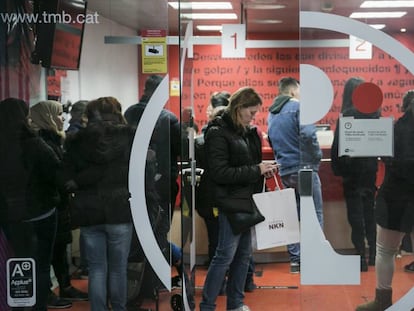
(154, 51)
(175, 87)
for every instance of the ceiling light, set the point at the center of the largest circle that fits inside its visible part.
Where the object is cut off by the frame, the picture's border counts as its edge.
(387, 4)
(202, 5)
(377, 14)
(209, 27)
(403, 29)
(209, 16)
(377, 26)
(266, 21)
(261, 6)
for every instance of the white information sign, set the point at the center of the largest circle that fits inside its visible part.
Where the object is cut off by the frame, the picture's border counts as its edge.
(366, 137)
(233, 40)
(359, 48)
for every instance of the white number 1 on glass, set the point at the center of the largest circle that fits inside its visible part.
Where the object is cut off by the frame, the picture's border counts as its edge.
(233, 41)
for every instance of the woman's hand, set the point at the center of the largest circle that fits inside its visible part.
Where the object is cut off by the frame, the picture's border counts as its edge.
(268, 169)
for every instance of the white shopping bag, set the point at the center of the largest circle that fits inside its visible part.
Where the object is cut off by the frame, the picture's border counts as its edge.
(281, 225)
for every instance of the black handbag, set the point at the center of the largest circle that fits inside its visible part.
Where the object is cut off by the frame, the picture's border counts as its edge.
(243, 220)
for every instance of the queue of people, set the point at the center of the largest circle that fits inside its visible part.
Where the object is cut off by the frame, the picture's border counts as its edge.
(43, 169)
(47, 173)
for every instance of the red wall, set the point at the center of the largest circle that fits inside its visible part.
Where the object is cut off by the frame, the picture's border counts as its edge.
(262, 68)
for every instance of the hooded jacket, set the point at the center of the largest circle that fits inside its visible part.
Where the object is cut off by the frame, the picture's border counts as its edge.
(294, 146)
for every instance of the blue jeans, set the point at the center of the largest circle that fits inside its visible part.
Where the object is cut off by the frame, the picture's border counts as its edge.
(83, 264)
(233, 255)
(359, 193)
(291, 181)
(107, 249)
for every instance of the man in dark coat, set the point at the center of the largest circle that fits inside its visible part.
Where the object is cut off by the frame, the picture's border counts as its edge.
(165, 142)
(161, 173)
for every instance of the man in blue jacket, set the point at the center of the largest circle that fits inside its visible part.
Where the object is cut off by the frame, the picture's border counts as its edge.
(295, 147)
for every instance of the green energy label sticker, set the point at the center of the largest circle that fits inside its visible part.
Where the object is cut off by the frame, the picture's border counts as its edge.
(21, 282)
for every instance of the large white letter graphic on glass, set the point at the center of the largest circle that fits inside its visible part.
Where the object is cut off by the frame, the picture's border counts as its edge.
(311, 233)
(137, 183)
(319, 261)
(314, 81)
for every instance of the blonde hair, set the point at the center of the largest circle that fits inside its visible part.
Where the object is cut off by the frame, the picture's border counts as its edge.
(44, 115)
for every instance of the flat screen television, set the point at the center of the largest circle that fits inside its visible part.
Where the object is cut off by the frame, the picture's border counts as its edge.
(59, 33)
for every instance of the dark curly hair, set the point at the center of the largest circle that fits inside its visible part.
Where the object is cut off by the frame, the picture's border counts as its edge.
(408, 101)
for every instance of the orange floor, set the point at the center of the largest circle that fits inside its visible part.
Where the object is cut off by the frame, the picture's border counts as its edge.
(277, 293)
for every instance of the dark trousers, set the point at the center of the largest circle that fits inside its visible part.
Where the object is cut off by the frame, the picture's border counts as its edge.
(60, 264)
(360, 198)
(250, 272)
(35, 239)
(212, 234)
(4, 255)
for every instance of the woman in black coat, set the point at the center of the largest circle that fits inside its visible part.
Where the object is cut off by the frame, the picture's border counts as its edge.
(394, 205)
(235, 168)
(96, 165)
(47, 119)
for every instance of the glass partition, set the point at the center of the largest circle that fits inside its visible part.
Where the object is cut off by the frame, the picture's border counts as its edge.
(110, 66)
(188, 159)
(353, 81)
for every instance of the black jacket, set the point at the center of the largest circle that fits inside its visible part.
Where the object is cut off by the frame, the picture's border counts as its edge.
(232, 162)
(165, 142)
(394, 208)
(28, 179)
(398, 182)
(97, 159)
(64, 227)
